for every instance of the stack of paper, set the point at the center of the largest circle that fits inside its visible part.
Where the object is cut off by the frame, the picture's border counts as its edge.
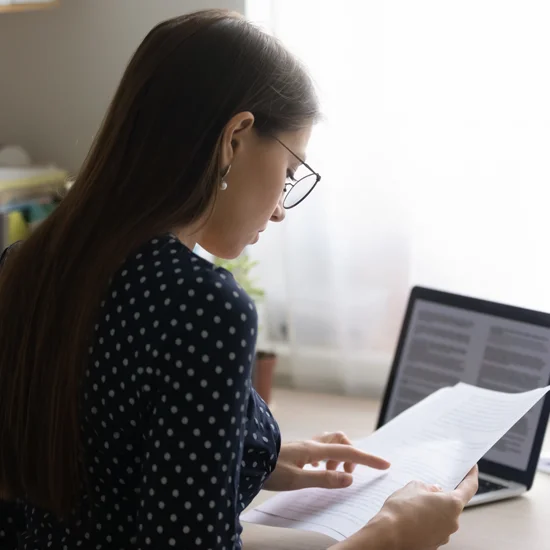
(23, 177)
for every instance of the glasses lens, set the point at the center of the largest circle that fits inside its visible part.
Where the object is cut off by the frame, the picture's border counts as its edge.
(300, 190)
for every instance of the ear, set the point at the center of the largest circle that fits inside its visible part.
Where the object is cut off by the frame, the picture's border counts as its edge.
(235, 133)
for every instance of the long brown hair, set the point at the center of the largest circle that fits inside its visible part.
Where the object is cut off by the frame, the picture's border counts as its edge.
(154, 165)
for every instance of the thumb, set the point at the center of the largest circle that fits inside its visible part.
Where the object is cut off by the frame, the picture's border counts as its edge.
(327, 479)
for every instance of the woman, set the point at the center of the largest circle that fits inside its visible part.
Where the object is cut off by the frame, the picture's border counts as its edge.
(127, 418)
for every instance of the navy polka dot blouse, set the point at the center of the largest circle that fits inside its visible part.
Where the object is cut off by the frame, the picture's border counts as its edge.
(177, 442)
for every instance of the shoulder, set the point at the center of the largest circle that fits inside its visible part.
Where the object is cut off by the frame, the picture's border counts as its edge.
(164, 276)
(183, 310)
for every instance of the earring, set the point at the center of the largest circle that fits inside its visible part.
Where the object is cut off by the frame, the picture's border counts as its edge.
(223, 184)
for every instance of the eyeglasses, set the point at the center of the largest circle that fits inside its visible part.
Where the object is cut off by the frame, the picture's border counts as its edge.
(299, 185)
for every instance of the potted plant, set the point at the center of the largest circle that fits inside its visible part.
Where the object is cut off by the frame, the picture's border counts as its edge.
(265, 360)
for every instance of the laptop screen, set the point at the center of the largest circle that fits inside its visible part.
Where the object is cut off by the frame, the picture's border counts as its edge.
(444, 345)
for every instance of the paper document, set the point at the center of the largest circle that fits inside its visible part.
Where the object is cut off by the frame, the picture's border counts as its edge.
(436, 441)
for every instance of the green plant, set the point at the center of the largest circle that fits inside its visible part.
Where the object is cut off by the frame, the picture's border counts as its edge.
(241, 268)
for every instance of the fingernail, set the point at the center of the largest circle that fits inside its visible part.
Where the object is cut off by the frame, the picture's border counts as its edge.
(438, 487)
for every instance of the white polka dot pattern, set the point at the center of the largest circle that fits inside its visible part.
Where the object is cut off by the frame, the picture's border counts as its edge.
(177, 443)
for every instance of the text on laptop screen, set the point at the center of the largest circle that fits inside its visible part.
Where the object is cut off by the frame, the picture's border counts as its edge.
(445, 345)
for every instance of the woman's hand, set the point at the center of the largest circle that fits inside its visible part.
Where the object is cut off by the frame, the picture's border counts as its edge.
(417, 517)
(334, 448)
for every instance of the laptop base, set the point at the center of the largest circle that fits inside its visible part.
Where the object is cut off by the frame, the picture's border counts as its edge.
(493, 489)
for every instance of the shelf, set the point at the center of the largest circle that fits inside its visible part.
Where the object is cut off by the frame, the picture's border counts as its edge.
(14, 8)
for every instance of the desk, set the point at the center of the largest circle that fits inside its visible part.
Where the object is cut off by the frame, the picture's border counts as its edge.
(517, 524)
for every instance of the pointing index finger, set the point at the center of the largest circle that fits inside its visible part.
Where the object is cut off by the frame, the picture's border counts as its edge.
(346, 453)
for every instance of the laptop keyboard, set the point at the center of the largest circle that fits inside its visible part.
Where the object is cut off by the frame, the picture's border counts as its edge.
(488, 486)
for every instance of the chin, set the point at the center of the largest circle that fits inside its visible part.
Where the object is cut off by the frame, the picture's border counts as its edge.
(231, 255)
(225, 252)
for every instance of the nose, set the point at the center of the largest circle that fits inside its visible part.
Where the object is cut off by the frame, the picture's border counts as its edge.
(279, 213)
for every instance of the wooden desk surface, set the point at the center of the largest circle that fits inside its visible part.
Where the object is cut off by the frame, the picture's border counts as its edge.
(517, 524)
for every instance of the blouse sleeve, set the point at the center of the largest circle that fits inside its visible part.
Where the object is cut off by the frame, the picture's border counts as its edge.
(193, 442)
(262, 444)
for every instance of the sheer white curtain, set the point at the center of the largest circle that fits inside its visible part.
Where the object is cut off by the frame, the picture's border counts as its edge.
(435, 162)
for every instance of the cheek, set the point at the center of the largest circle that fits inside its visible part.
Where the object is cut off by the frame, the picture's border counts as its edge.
(260, 175)
(255, 189)
(271, 186)
(244, 208)
(270, 197)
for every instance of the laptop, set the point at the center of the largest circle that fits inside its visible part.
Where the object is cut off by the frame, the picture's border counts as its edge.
(446, 339)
